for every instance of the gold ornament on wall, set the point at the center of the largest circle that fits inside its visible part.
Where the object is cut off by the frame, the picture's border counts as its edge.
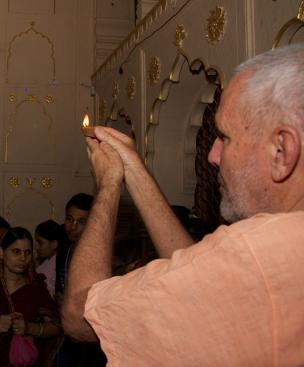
(115, 92)
(216, 25)
(30, 181)
(300, 15)
(48, 99)
(47, 182)
(180, 35)
(30, 98)
(25, 33)
(154, 70)
(12, 98)
(14, 181)
(131, 87)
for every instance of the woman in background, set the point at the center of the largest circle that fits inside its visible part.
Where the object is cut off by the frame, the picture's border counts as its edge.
(46, 236)
(26, 307)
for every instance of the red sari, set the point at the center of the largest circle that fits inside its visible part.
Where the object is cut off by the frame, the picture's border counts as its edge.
(33, 301)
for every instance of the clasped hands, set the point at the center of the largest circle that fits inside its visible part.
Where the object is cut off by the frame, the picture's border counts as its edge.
(14, 321)
(112, 155)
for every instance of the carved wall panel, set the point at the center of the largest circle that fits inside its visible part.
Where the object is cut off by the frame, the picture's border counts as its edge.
(44, 87)
(37, 52)
(32, 6)
(29, 198)
(30, 136)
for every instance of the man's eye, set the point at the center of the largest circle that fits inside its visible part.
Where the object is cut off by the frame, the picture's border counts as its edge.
(220, 135)
(16, 251)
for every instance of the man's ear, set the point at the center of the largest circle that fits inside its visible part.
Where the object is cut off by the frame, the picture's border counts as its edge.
(286, 151)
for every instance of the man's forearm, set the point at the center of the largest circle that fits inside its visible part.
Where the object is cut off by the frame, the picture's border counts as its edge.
(91, 261)
(166, 231)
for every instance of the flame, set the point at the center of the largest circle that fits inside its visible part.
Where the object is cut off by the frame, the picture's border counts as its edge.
(86, 120)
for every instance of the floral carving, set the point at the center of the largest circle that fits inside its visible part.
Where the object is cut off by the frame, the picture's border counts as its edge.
(216, 24)
(154, 70)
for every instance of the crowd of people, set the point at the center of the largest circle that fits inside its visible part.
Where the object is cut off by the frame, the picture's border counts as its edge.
(32, 278)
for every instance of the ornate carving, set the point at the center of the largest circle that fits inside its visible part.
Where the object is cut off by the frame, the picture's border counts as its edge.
(30, 181)
(154, 70)
(143, 26)
(47, 182)
(25, 33)
(115, 92)
(48, 99)
(216, 24)
(180, 35)
(14, 181)
(300, 15)
(12, 98)
(131, 87)
(30, 98)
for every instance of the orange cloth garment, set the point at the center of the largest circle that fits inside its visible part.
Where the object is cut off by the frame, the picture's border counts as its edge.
(234, 299)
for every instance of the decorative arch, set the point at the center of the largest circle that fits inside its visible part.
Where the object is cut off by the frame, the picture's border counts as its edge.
(290, 29)
(13, 122)
(25, 33)
(198, 179)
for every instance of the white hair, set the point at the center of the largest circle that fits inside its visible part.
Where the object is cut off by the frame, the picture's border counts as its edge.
(274, 93)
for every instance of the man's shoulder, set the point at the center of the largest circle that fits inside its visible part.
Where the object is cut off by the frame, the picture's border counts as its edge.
(261, 230)
(267, 232)
(277, 220)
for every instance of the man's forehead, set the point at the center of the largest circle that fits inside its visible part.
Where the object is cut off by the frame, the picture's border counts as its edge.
(230, 100)
(75, 212)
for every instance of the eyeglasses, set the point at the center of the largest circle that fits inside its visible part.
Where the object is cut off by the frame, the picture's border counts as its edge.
(73, 222)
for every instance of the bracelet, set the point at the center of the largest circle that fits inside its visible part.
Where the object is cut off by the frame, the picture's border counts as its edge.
(41, 329)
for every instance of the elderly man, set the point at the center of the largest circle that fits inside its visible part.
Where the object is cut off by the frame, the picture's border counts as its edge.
(236, 298)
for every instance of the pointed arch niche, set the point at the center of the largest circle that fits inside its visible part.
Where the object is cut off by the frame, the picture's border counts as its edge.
(31, 120)
(175, 120)
(37, 52)
(29, 206)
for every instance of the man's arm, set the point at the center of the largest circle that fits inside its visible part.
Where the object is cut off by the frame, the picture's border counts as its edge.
(165, 230)
(91, 261)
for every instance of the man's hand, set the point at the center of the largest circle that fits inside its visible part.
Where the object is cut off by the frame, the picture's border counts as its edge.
(166, 231)
(106, 162)
(124, 146)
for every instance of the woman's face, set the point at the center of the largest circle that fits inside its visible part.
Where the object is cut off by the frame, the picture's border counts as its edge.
(18, 255)
(45, 248)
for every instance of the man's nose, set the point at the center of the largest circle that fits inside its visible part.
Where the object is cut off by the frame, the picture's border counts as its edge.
(74, 224)
(214, 156)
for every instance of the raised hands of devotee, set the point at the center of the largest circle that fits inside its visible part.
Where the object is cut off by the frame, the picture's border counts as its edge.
(123, 144)
(5, 323)
(167, 234)
(106, 162)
